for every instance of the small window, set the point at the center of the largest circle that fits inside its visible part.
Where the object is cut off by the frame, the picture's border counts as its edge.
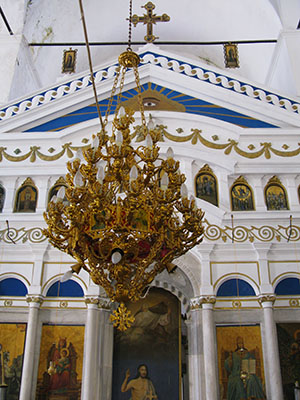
(12, 287)
(235, 288)
(65, 289)
(288, 286)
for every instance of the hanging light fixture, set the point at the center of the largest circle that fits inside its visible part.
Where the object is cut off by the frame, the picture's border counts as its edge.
(128, 214)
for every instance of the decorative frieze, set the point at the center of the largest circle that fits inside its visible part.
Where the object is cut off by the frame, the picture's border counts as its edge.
(212, 232)
(195, 137)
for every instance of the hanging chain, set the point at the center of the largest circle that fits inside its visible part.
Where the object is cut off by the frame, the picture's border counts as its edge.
(139, 96)
(90, 65)
(123, 72)
(129, 26)
(120, 74)
(113, 91)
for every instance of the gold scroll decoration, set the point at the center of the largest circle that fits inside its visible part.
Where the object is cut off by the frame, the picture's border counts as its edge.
(212, 232)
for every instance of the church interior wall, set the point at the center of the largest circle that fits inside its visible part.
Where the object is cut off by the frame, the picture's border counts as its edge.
(197, 279)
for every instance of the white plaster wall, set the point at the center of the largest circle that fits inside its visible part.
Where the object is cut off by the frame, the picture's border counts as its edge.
(190, 21)
(289, 15)
(15, 13)
(9, 45)
(9, 48)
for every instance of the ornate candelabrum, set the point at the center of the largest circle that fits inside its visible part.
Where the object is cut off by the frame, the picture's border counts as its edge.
(128, 215)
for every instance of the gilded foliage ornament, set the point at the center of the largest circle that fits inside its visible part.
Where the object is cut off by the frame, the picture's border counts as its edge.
(127, 216)
(122, 318)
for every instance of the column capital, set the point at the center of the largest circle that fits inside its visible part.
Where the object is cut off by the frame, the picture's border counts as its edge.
(92, 302)
(197, 302)
(104, 303)
(34, 300)
(267, 300)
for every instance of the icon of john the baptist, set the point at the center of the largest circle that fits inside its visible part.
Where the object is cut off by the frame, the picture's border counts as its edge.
(141, 386)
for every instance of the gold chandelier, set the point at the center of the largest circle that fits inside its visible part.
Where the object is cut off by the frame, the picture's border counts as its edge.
(128, 215)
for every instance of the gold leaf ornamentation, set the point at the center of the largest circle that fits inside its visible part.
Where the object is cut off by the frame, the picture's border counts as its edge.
(122, 318)
(212, 233)
(195, 137)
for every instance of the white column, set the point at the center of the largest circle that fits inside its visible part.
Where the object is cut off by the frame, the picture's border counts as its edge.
(29, 352)
(91, 349)
(258, 193)
(38, 251)
(105, 359)
(262, 251)
(42, 185)
(195, 353)
(209, 348)
(291, 187)
(273, 374)
(9, 186)
(204, 251)
(224, 200)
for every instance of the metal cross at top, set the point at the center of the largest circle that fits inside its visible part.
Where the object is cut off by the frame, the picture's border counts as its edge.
(150, 19)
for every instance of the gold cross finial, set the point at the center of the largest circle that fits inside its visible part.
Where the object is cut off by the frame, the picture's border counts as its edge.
(150, 19)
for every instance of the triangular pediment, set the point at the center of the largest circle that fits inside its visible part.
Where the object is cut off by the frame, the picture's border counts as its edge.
(169, 83)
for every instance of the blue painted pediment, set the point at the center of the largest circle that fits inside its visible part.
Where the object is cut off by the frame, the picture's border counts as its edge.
(184, 86)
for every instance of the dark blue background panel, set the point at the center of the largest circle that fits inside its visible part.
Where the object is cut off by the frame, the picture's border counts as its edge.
(288, 286)
(187, 103)
(12, 287)
(65, 289)
(235, 287)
